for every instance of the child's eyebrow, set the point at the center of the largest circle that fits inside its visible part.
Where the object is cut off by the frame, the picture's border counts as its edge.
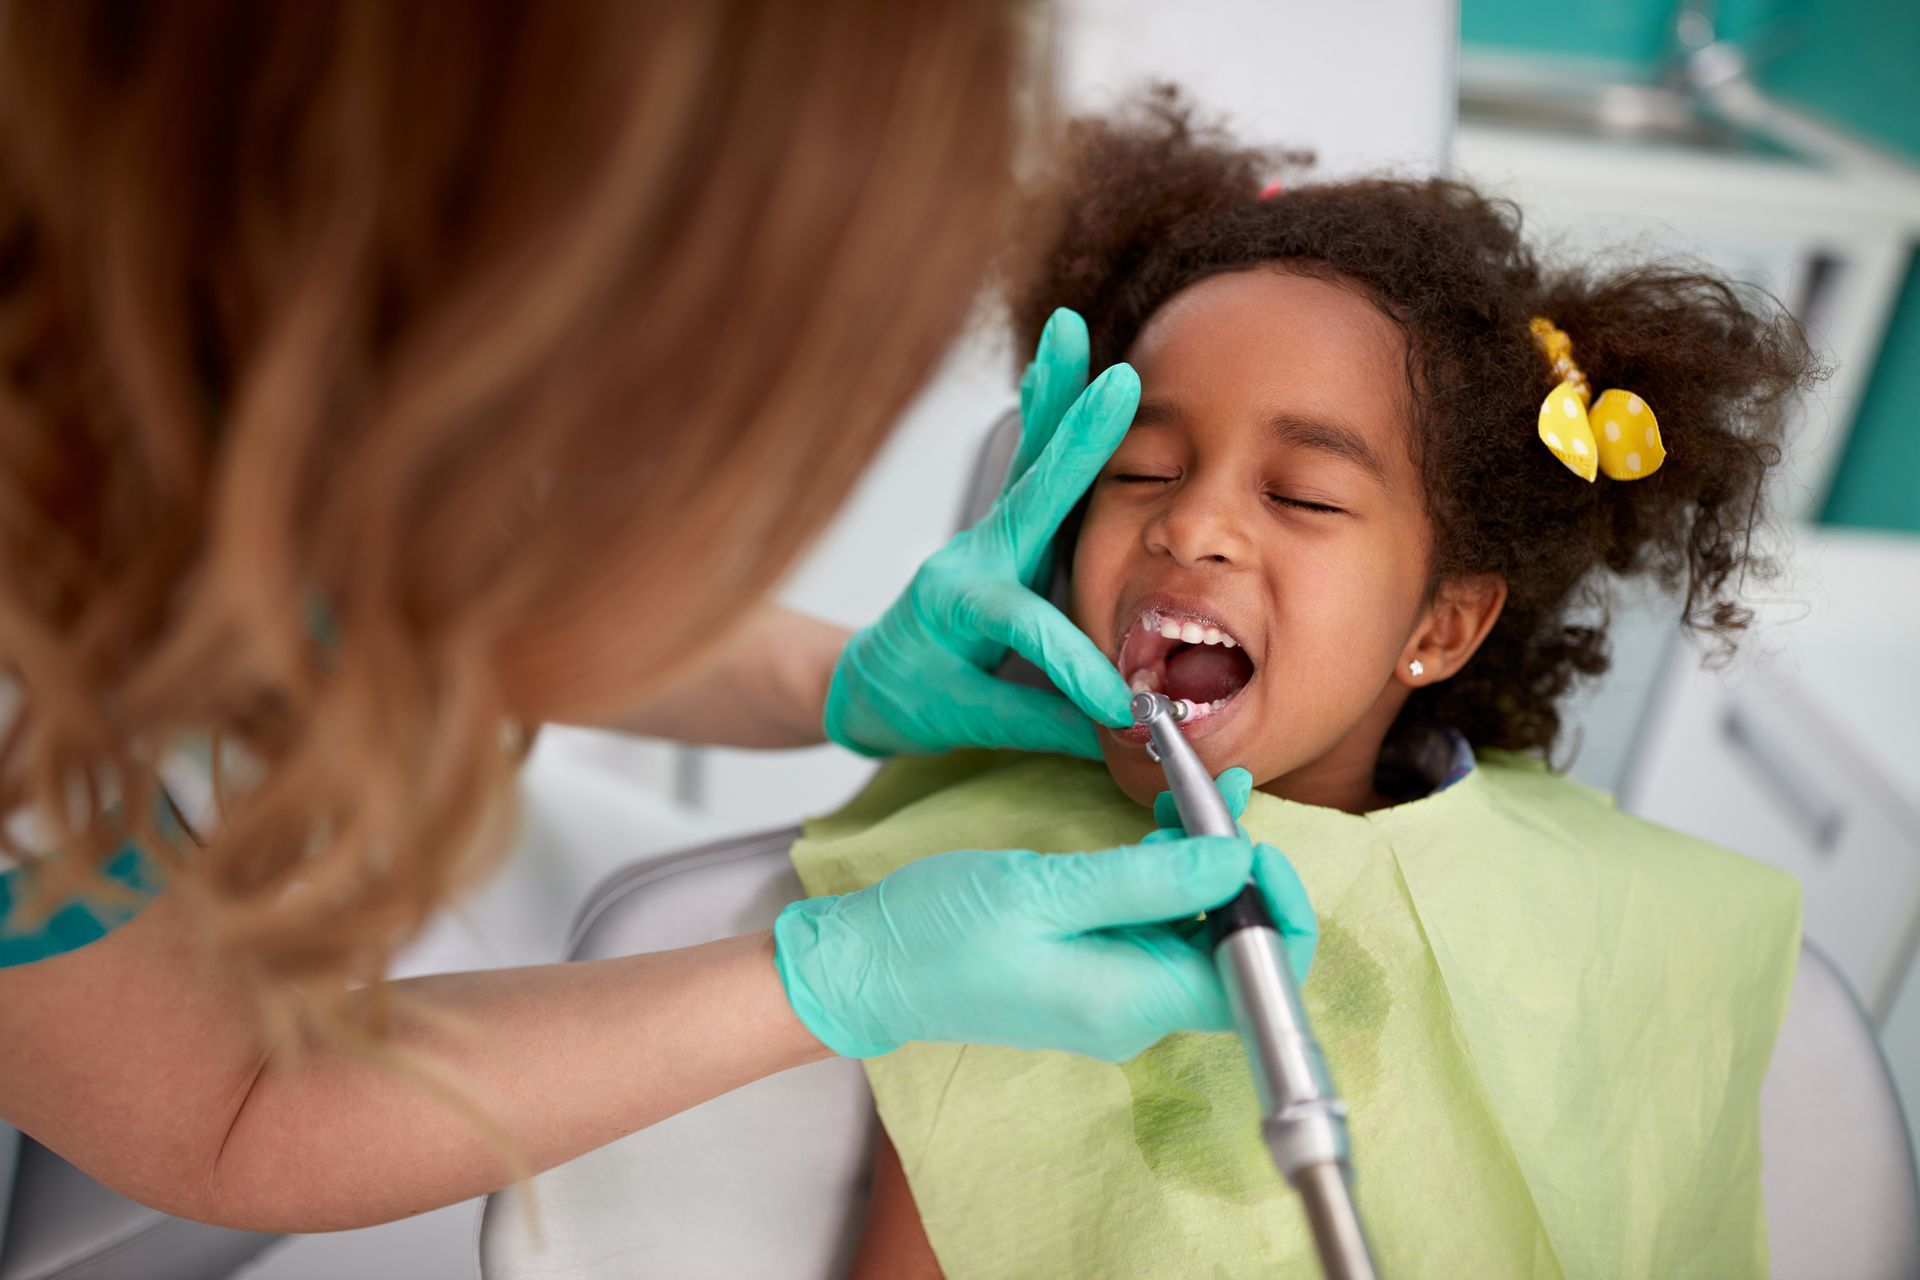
(1292, 429)
(1328, 437)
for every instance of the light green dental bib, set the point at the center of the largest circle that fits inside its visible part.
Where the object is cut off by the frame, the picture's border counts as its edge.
(1550, 1021)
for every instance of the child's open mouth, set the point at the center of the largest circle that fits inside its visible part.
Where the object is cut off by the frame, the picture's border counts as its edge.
(1184, 656)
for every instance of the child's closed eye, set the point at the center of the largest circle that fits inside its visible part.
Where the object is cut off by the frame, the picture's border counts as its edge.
(1278, 499)
(1306, 504)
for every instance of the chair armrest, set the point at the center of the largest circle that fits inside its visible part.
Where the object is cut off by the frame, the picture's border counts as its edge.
(770, 1179)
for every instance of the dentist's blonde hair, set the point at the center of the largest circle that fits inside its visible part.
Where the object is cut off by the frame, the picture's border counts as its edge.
(377, 379)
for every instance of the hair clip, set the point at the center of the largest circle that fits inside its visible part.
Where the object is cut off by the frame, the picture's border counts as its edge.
(1620, 434)
(1272, 189)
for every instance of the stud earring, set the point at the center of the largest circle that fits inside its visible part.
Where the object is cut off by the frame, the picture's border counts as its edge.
(1416, 667)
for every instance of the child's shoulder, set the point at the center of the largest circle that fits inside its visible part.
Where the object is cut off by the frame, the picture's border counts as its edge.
(1525, 791)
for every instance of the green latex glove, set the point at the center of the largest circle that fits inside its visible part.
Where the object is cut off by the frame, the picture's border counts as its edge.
(1055, 951)
(1279, 883)
(921, 678)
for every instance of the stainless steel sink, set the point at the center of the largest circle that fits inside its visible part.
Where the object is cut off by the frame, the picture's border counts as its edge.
(1619, 111)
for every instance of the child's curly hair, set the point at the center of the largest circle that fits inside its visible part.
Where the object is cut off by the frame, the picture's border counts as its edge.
(1149, 204)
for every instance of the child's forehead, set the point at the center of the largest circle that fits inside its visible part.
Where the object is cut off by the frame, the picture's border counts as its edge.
(1279, 339)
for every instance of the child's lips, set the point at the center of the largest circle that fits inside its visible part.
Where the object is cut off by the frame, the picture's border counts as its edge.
(1180, 647)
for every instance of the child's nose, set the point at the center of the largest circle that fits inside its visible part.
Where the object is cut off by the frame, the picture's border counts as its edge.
(1197, 527)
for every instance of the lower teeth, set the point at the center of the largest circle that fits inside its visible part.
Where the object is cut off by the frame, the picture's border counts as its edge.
(1145, 681)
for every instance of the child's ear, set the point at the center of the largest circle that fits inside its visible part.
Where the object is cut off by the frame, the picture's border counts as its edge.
(1462, 613)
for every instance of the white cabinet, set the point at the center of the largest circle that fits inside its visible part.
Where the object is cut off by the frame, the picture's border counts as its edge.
(1805, 753)
(1746, 761)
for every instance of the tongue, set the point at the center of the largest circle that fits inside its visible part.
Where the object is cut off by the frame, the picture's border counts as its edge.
(1206, 673)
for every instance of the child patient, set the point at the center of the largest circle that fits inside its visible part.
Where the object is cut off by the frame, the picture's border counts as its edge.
(1358, 522)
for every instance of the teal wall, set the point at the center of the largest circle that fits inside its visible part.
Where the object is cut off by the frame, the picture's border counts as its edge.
(1878, 483)
(1636, 31)
(1854, 62)
(1859, 65)
(1630, 32)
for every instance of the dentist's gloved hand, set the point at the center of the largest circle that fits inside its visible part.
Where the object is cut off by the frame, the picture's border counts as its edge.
(1037, 951)
(921, 678)
(1279, 883)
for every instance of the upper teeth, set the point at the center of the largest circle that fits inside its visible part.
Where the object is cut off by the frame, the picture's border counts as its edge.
(1189, 631)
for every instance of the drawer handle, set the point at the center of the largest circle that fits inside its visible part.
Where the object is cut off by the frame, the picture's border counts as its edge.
(1819, 821)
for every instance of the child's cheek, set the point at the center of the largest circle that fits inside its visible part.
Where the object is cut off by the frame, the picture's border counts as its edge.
(1092, 579)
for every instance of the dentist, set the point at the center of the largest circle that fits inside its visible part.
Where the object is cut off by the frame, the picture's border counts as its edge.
(380, 381)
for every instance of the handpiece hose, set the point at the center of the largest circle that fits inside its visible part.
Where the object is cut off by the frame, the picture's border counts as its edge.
(1302, 1119)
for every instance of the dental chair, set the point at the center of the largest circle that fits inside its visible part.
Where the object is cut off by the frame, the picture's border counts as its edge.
(62, 1225)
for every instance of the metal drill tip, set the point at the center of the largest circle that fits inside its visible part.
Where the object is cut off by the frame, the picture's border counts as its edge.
(1144, 705)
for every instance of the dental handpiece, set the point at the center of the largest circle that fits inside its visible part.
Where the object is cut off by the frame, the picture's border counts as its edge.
(1303, 1120)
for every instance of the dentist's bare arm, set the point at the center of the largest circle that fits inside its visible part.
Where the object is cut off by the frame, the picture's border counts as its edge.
(139, 1061)
(768, 687)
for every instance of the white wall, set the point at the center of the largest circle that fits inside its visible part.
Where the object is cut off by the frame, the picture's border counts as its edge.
(1365, 84)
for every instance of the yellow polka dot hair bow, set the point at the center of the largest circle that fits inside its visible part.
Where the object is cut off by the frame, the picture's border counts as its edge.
(1620, 433)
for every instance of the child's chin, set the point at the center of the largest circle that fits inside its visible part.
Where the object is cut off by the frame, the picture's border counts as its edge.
(1139, 776)
(1135, 774)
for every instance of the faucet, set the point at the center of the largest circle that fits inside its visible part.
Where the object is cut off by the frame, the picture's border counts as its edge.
(1700, 61)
